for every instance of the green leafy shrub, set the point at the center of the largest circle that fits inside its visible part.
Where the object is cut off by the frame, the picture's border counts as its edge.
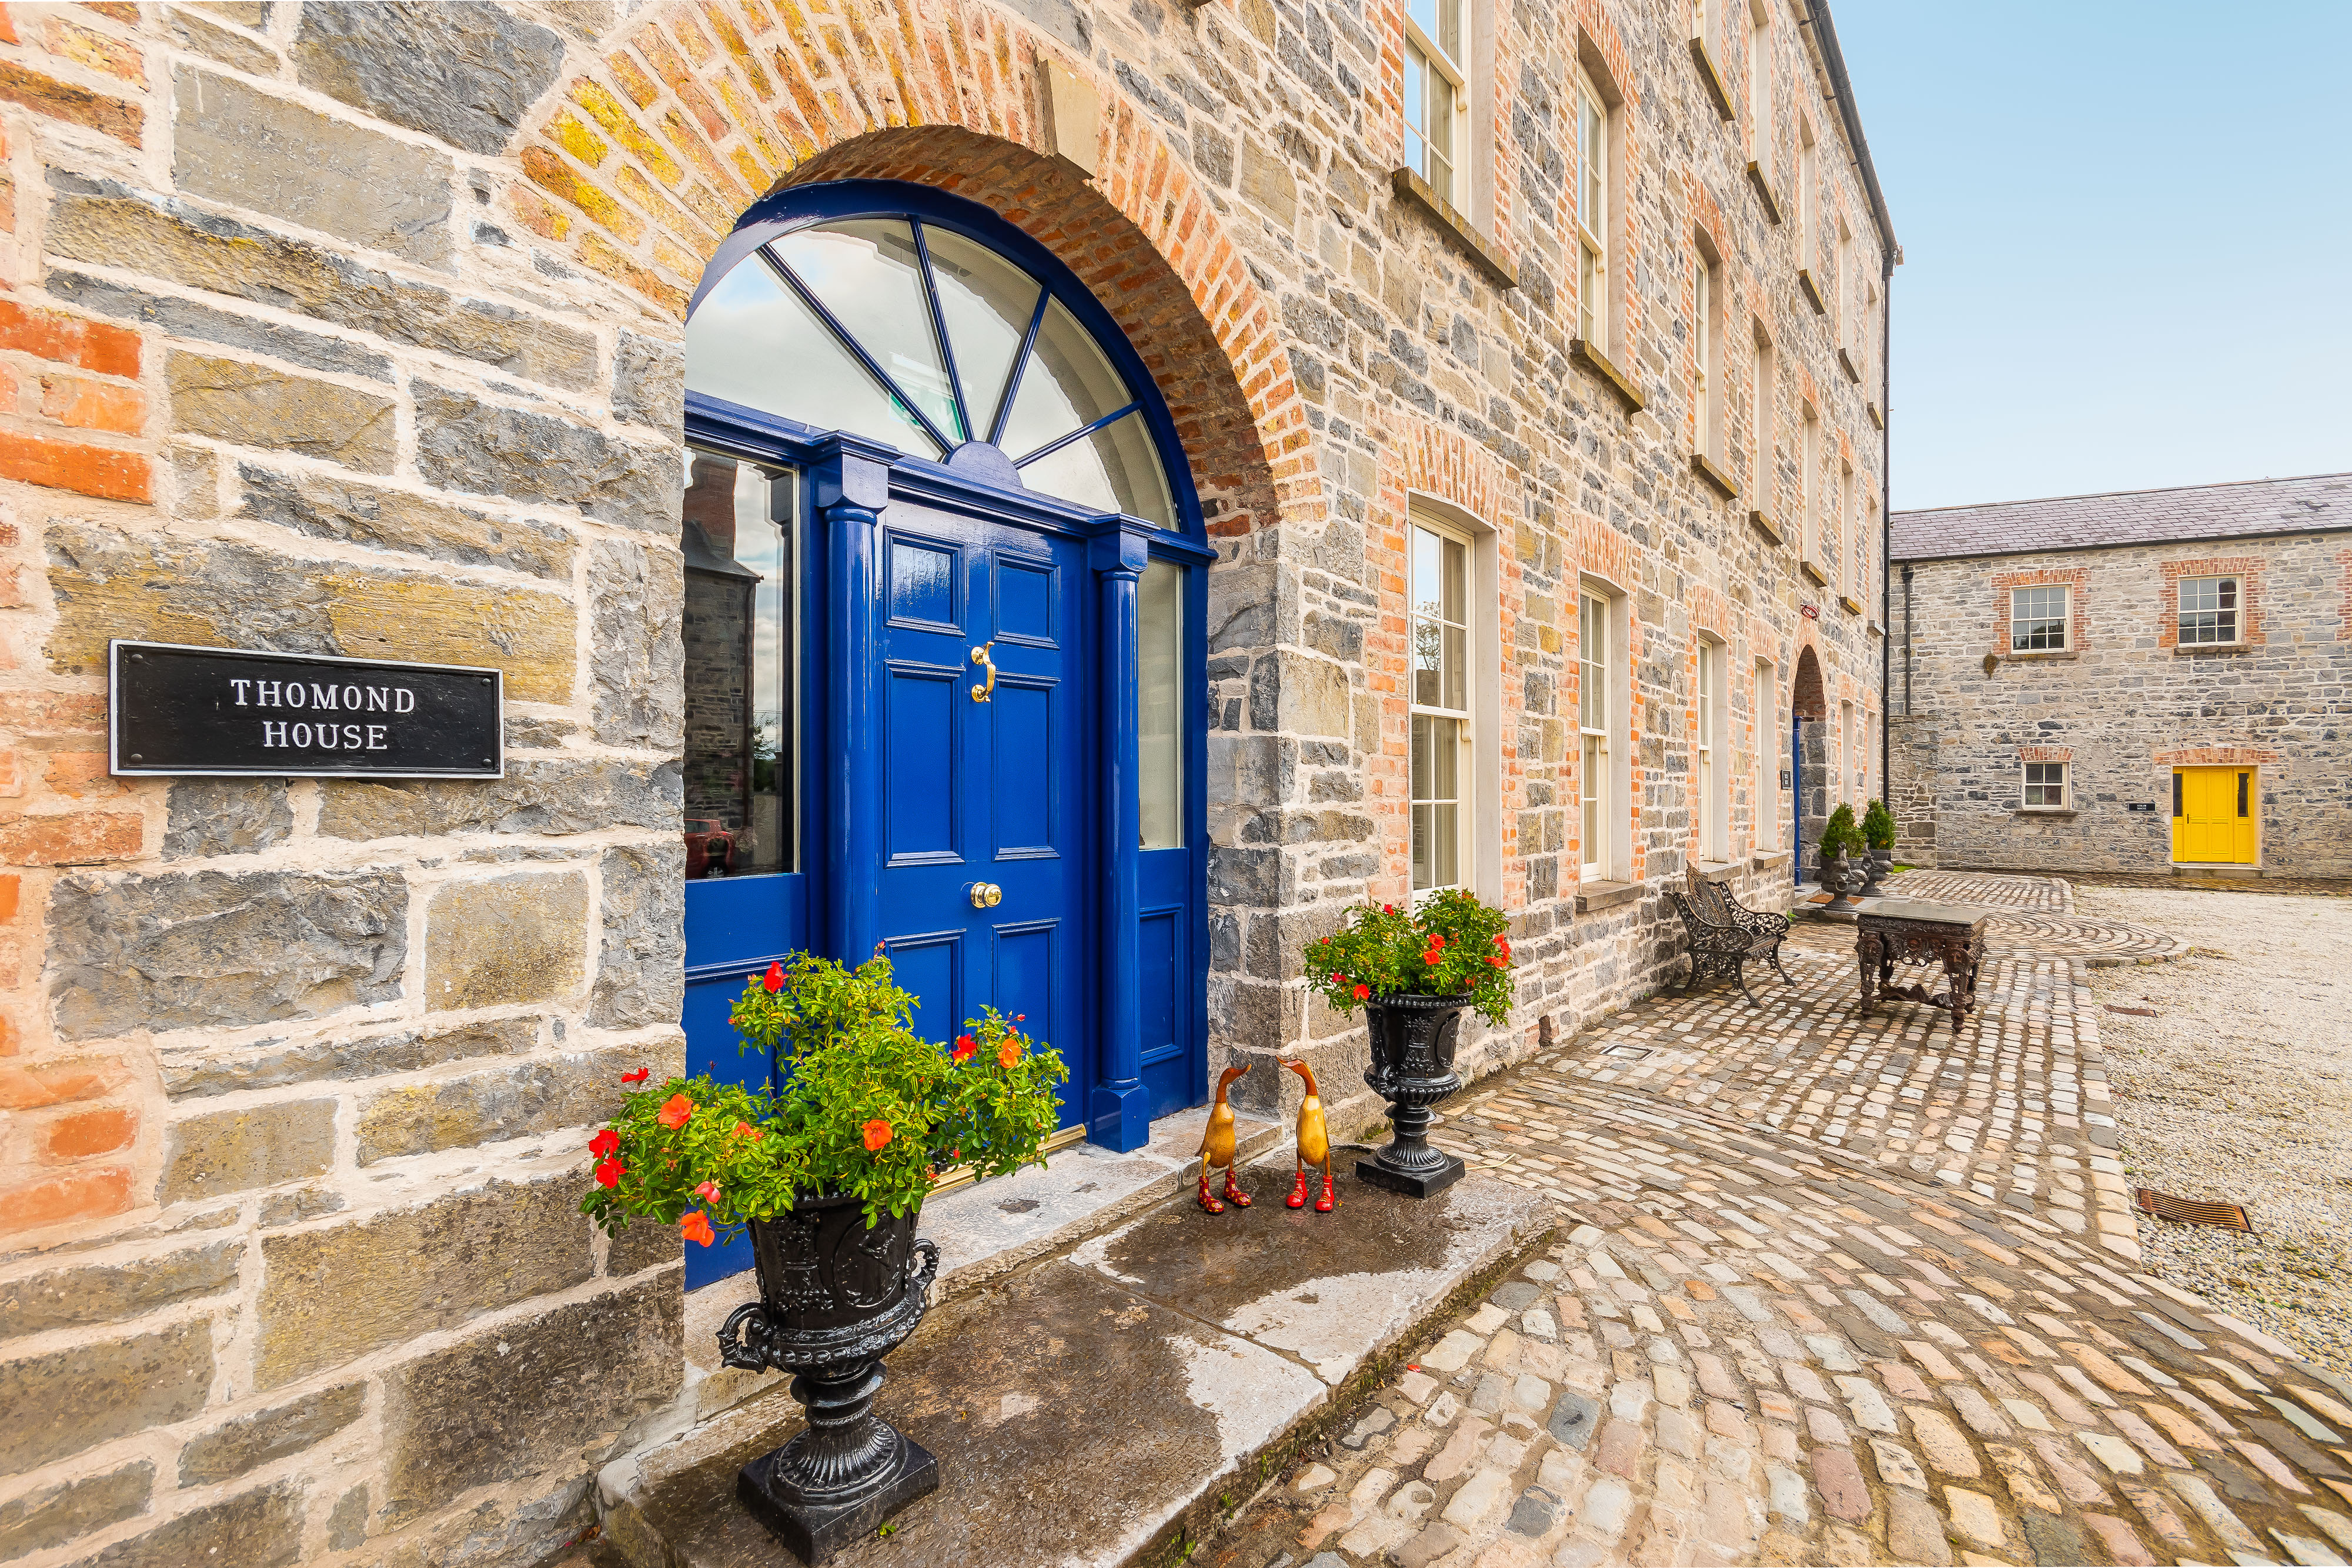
(865, 1108)
(1839, 836)
(1449, 945)
(1878, 826)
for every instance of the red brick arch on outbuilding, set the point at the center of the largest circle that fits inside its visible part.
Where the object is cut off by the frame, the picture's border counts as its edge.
(638, 164)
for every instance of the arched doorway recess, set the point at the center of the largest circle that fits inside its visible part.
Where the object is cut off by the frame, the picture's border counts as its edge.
(944, 648)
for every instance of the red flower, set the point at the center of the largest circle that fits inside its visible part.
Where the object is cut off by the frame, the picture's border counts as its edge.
(1020, 1017)
(877, 1132)
(965, 1046)
(743, 1130)
(674, 1112)
(605, 1144)
(1495, 962)
(609, 1173)
(1338, 979)
(1364, 991)
(775, 977)
(1388, 909)
(708, 1191)
(695, 1227)
(1436, 943)
(1008, 1054)
(639, 1076)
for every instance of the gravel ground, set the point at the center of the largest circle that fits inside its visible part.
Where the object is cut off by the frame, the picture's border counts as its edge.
(2240, 1089)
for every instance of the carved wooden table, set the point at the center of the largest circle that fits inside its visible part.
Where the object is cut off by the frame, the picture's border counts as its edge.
(1950, 934)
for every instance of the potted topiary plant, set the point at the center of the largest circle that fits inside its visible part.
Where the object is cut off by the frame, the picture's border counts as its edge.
(1414, 971)
(827, 1170)
(1840, 840)
(1878, 841)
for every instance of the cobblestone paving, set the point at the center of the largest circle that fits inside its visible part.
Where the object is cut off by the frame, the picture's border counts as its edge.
(1748, 1343)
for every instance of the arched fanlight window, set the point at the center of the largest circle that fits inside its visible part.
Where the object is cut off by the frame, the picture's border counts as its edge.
(919, 336)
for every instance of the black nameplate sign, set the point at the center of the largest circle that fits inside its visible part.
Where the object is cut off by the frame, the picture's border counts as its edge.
(230, 711)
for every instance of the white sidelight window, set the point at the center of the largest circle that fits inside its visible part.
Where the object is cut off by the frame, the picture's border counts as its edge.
(1707, 385)
(2209, 611)
(1760, 83)
(1440, 706)
(1593, 713)
(1159, 705)
(1436, 96)
(1594, 188)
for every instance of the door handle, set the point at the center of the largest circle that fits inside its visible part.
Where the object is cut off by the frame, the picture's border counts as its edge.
(985, 895)
(980, 694)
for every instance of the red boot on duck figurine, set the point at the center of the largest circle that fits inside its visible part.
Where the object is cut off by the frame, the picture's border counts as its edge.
(1217, 1147)
(1313, 1144)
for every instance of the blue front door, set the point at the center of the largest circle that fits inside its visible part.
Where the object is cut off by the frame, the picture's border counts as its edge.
(984, 700)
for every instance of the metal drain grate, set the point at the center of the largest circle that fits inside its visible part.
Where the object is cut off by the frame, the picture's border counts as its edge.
(2191, 1210)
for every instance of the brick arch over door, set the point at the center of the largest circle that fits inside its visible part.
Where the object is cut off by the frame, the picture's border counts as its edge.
(700, 110)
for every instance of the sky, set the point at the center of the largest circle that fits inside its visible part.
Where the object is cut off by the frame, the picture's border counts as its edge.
(2127, 240)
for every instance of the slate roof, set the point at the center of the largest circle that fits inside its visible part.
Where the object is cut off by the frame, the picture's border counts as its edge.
(2315, 502)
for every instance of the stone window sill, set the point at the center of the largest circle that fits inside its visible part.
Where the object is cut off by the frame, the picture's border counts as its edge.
(1812, 291)
(1813, 571)
(1421, 194)
(1766, 860)
(1875, 629)
(1764, 192)
(1719, 870)
(1763, 523)
(1715, 88)
(1722, 481)
(2043, 812)
(1592, 896)
(1878, 420)
(2192, 648)
(1593, 359)
(1852, 605)
(2041, 656)
(1845, 363)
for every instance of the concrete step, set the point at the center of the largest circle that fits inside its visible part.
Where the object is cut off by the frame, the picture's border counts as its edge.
(1106, 1398)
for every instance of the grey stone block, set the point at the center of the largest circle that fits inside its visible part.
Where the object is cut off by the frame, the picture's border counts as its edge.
(105, 1292)
(463, 443)
(460, 70)
(641, 973)
(53, 1515)
(232, 1151)
(330, 507)
(68, 1400)
(232, 1448)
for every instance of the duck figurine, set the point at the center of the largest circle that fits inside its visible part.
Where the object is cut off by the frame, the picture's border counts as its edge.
(1313, 1144)
(1217, 1146)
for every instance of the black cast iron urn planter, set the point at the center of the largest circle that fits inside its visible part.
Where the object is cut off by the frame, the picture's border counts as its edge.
(1413, 1070)
(835, 1297)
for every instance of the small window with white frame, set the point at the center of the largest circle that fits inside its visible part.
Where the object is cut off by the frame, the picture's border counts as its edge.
(1594, 183)
(1436, 95)
(1707, 389)
(2037, 618)
(1440, 706)
(2045, 786)
(1595, 708)
(2210, 612)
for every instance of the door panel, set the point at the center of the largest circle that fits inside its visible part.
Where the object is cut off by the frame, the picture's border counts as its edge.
(2216, 825)
(981, 787)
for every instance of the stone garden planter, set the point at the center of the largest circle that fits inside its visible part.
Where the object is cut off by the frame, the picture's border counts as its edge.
(835, 1297)
(1412, 1069)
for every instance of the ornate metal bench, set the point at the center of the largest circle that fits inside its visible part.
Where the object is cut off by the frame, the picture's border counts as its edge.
(1724, 934)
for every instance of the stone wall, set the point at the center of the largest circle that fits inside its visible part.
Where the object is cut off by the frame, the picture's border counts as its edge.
(2125, 704)
(354, 329)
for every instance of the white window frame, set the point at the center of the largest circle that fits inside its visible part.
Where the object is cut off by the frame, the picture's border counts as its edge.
(2236, 611)
(1808, 164)
(1808, 481)
(2065, 617)
(1844, 530)
(1598, 712)
(1760, 83)
(1763, 411)
(1766, 829)
(1711, 760)
(1707, 391)
(1444, 171)
(1595, 199)
(1846, 752)
(1466, 795)
(2027, 786)
(1841, 315)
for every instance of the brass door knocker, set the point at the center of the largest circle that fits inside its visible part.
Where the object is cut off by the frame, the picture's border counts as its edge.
(980, 694)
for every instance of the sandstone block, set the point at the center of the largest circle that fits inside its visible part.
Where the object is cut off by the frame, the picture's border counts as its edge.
(260, 1529)
(328, 506)
(104, 1292)
(235, 1447)
(650, 382)
(230, 48)
(51, 1516)
(253, 148)
(257, 406)
(638, 599)
(465, 444)
(194, 1075)
(188, 950)
(514, 939)
(643, 1244)
(219, 595)
(330, 1294)
(460, 70)
(570, 795)
(530, 1398)
(507, 1102)
(232, 1151)
(69, 1400)
(641, 975)
(225, 817)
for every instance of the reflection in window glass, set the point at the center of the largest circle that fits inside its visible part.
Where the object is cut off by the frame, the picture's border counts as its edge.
(739, 538)
(752, 341)
(2208, 609)
(865, 271)
(985, 303)
(1158, 701)
(1115, 469)
(1068, 383)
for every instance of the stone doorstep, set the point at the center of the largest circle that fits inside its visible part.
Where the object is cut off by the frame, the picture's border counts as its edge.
(1088, 1405)
(987, 1229)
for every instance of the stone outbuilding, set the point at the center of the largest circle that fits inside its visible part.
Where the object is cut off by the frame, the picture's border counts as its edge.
(1075, 495)
(2147, 681)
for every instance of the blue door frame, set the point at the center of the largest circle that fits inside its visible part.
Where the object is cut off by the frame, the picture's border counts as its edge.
(1143, 969)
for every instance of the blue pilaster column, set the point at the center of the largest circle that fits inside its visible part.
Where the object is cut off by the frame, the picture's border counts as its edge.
(1118, 1111)
(850, 494)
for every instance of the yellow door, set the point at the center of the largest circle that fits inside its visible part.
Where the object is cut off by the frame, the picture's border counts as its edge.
(2214, 815)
